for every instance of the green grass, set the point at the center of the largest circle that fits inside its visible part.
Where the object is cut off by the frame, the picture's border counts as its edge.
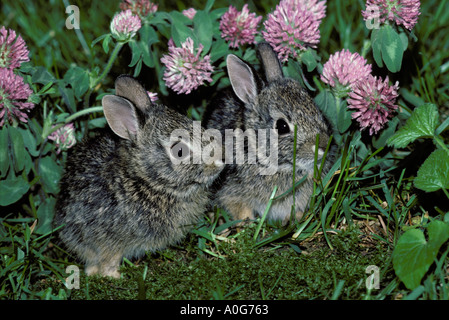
(358, 211)
(311, 271)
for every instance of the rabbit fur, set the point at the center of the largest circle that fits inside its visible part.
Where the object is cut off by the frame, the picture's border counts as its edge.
(257, 103)
(121, 194)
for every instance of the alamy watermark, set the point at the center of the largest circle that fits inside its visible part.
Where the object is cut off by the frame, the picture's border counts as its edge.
(73, 20)
(261, 147)
(374, 14)
(73, 280)
(373, 281)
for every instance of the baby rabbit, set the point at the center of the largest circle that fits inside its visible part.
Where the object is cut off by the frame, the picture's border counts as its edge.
(133, 189)
(280, 104)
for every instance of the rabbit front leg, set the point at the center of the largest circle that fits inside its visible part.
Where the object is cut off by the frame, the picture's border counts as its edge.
(240, 211)
(110, 266)
(298, 216)
(91, 258)
(103, 264)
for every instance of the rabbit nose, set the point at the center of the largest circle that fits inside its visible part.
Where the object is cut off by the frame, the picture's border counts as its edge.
(322, 144)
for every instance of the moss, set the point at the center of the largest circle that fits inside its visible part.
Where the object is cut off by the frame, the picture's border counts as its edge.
(244, 272)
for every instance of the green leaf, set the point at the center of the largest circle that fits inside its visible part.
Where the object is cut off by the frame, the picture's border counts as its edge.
(413, 255)
(216, 14)
(179, 29)
(18, 148)
(42, 76)
(219, 49)
(415, 100)
(99, 39)
(404, 39)
(325, 101)
(78, 79)
(161, 20)
(388, 46)
(107, 40)
(137, 69)
(4, 154)
(309, 59)
(209, 5)
(29, 141)
(442, 127)
(50, 173)
(136, 53)
(344, 118)
(421, 124)
(388, 132)
(376, 44)
(392, 48)
(203, 29)
(147, 55)
(141, 49)
(97, 123)
(12, 189)
(434, 172)
(148, 36)
(47, 89)
(68, 97)
(178, 17)
(45, 215)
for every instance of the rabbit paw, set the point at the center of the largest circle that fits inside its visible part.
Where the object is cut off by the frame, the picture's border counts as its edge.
(297, 217)
(106, 267)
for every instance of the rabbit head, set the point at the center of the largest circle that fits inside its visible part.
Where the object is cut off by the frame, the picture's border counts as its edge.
(279, 103)
(163, 141)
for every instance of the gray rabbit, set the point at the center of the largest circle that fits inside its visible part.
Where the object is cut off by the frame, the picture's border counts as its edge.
(133, 189)
(277, 103)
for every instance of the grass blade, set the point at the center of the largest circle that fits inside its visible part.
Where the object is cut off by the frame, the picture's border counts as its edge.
(264, 216)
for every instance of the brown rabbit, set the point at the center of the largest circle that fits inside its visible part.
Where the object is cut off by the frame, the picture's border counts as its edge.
(278, 103)
(127, 191)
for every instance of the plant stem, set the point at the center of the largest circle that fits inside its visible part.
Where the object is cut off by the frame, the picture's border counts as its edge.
(74, 116)
(337, 105)
(83, 112)
(441, 143)
(114, 54)
(112, 58)
(265, 214)
(88, 109)
(366, 47)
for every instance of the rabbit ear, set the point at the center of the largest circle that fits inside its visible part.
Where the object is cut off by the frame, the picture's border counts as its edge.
(129, 88)
(271, 64)
(121, 116)
(242, 78)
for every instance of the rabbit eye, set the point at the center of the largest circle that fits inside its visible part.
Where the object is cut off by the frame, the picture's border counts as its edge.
(180, 150)
(282, 127)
